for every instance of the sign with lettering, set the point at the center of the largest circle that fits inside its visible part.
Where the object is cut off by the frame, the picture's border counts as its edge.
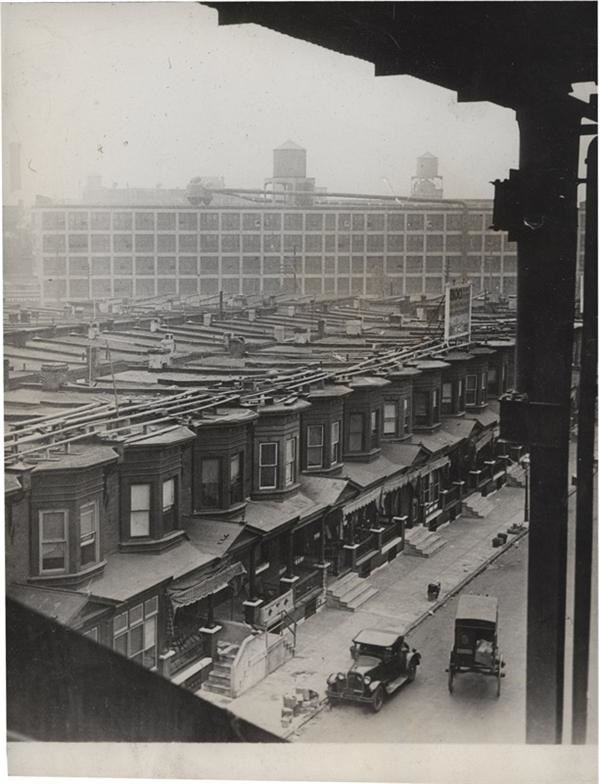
(457, 312)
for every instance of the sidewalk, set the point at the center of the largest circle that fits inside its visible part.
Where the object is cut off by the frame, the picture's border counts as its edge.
(401, 603)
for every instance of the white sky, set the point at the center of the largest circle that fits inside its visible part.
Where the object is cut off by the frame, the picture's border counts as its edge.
(169, 95)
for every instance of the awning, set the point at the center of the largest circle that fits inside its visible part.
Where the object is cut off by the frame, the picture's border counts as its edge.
(441, 462)
(395, 483)
(183, 593)
(363, 500)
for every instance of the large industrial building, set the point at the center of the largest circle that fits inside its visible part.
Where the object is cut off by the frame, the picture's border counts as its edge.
(290, 237)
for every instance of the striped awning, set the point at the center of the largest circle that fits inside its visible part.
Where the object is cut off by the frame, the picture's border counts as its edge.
(363, 500)
(182, 593)
(435, 465)
(483, 439)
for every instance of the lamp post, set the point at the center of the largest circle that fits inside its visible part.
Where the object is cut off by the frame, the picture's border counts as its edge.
(525, 464)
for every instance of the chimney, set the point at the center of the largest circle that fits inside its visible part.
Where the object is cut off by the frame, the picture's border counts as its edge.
(54, 375)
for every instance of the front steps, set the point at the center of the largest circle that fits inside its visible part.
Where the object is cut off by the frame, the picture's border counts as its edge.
(515, 475)
(422, 543)
(350, 592)
(476, 506)
(219, 678)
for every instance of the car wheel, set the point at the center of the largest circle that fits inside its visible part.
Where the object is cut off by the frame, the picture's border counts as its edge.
(377, 703)
(412, 671)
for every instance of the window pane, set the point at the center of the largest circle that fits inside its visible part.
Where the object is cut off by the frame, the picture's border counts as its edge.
(314, 456)
(389, 418)
(136, 640)
(88, 552)
(151, 606)
(210, 482)
(140, 497)
(53, 526)
(120, 622)
(140, 523)
(120, 644)
(168, 493)
(446, 392)
(136, 614)
(87, 520)
(267, 476)
(268, 454)
(149, 632)
(54, 556)
(315, 435)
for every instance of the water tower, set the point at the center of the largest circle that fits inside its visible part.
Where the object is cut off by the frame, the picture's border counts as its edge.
(289, 183)
(427, 183)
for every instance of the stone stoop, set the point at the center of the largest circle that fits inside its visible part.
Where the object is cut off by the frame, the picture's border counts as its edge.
(219, 678)
(515, 475)
(476, 506)
(422, 543)
(350, 592)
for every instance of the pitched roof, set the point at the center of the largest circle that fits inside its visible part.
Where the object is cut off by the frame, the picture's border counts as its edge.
(61, 605)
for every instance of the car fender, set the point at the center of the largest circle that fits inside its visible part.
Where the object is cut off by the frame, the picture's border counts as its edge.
(373, 685)
(416, 658)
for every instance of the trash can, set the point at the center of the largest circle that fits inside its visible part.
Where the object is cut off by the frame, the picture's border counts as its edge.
(433, 591)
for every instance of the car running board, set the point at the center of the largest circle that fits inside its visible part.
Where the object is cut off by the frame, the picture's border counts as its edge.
(393, 685)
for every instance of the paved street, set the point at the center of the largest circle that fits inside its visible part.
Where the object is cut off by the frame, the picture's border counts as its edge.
(401, 602)
(424, 711)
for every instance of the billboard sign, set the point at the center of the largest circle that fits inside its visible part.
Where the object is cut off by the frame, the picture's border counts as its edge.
(457, 312)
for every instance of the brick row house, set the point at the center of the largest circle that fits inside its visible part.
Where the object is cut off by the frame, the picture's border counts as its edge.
(178, 544)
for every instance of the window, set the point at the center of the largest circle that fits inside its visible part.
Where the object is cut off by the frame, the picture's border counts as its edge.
(406, 415)
(314, 448)
(267, 465)
(483, 387)
(355, 433)
(435, 405)
(447, 394)
(87, 533)
(144, 221)
(139, 518)
(461, 394)
(390, 418)
(53, 541)
(53, 242)
(471, 390)
(374, 427)
(421, 403)
(210, 482)
(168, 495)
(290, 460)
(236, 483)
(431, 487)
(165, 221)
(135, 633)
(335, 443)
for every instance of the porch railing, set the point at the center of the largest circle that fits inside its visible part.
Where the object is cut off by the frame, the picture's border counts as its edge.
(187, 651)
(391, 531)
(449, 496)
(307, 583)
(368, 544)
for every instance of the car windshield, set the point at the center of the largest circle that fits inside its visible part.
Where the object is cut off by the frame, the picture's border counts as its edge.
(373, 650)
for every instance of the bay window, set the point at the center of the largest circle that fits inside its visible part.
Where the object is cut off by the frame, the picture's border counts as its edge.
(139, 516)
(53, 541)
(135, 633)
(267, 465)
(314, 446)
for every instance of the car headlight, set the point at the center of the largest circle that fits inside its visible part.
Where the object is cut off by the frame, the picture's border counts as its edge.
(367, 680)
(331, 678)
(340, 676)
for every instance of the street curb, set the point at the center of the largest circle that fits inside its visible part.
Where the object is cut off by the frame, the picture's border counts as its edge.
(465, 581)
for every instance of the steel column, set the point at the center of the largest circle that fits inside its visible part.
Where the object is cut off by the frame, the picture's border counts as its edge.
(585, 456)
(547, 246)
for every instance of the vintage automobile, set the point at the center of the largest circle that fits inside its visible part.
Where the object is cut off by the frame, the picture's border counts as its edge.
(382, 662)
(476, 640)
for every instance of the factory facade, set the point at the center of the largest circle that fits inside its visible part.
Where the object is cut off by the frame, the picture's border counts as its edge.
(289, 237)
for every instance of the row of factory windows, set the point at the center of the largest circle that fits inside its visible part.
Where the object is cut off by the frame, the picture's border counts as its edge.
(80, 266)
(291, 243)
(369, 285)
(360, 221)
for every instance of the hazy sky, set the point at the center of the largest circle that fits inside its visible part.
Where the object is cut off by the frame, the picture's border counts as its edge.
(147, 93)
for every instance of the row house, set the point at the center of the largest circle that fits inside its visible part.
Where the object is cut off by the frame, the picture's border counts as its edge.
(177, 543)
